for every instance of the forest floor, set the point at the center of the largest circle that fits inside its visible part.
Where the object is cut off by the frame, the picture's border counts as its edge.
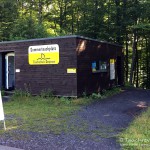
(95, 126)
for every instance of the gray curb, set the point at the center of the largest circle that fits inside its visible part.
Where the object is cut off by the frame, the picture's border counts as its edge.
(8, 148)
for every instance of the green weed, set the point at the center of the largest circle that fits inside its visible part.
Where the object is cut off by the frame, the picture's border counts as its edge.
(96, 96)
(2, 92)
(46, 93)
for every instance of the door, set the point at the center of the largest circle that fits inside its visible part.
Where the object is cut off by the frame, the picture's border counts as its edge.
(10, 71)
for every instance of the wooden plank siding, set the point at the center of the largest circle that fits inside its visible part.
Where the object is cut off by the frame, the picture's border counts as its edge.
(36, 78)
(74, 52)
(88, 81)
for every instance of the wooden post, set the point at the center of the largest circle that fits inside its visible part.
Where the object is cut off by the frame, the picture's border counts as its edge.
(4, 125)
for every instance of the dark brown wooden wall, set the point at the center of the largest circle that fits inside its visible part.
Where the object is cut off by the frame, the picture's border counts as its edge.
(42, 77)
(75, 52)
(89, 51)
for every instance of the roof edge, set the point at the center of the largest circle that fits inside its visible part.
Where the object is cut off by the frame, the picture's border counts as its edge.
(60, 37)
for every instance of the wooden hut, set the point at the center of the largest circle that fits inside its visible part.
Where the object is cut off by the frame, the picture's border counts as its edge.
(68, 65)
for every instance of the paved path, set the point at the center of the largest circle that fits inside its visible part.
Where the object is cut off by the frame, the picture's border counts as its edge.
(95, 126)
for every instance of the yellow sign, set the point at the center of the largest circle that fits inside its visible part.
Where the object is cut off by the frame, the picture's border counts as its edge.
(43, 54)
(71, 70)
(112, 61)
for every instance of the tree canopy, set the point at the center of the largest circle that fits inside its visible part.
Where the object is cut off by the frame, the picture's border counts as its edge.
(126, 22)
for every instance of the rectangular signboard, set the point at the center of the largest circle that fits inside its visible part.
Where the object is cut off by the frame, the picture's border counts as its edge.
(1, 108)
(112, 69)
(71, 70)
(43, 54)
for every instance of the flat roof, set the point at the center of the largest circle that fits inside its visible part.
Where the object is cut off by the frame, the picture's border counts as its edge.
(59, 37)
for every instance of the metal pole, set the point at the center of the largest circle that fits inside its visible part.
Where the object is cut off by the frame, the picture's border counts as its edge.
(4, 126)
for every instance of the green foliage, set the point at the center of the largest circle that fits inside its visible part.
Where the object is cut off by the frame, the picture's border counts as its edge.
(46, 94)
(96, 96)
(9, 13)
(2, 92)
(84, 94)
(128, 85)
(20, 94)
(65, 100)
(113, 21)
(27, 28)
(112, 91)
(51, 18)
(87, 99)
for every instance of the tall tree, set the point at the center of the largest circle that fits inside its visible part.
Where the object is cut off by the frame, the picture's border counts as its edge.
(126, 22)
(8, 14)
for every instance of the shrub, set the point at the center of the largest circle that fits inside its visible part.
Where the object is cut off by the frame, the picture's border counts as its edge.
(46, 93)
(96, 96)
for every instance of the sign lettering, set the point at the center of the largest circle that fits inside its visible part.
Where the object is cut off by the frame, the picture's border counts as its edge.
(43, 54)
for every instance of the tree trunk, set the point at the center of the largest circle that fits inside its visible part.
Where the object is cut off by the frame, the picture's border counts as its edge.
(118, 19)
(60, 15)
(137, 68)
(95, 18)
(147, 64)
(127, 55)
(133, 56)
(125, 30)
(40, 12)
(72, 15)
(78, 14)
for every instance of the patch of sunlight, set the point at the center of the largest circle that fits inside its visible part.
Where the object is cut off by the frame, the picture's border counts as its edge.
(11, 128)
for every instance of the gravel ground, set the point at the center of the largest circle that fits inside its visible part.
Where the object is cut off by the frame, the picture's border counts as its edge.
(100, 123)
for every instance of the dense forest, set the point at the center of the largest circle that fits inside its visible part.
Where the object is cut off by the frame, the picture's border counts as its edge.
(126, 22)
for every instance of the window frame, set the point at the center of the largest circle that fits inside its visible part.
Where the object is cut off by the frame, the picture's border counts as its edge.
(97, 66)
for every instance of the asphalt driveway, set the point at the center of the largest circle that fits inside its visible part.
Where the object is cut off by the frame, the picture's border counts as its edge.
(95, 126)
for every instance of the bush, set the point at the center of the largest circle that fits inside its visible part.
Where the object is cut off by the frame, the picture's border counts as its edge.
(65, 100)
(96, 96)
(20, 93)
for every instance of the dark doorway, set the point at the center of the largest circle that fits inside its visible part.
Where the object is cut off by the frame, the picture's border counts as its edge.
(2, 70)
(10, 71)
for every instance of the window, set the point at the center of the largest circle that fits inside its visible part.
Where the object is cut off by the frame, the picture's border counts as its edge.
(103, 66)
(99, 66)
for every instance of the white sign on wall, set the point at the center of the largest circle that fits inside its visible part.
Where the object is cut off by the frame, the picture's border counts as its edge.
(1, 108)
(17, 70)
(112, 69)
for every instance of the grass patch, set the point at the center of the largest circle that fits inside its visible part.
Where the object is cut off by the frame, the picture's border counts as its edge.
(137, 135)
(94, 97)
(37, 114)
(48, 114)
